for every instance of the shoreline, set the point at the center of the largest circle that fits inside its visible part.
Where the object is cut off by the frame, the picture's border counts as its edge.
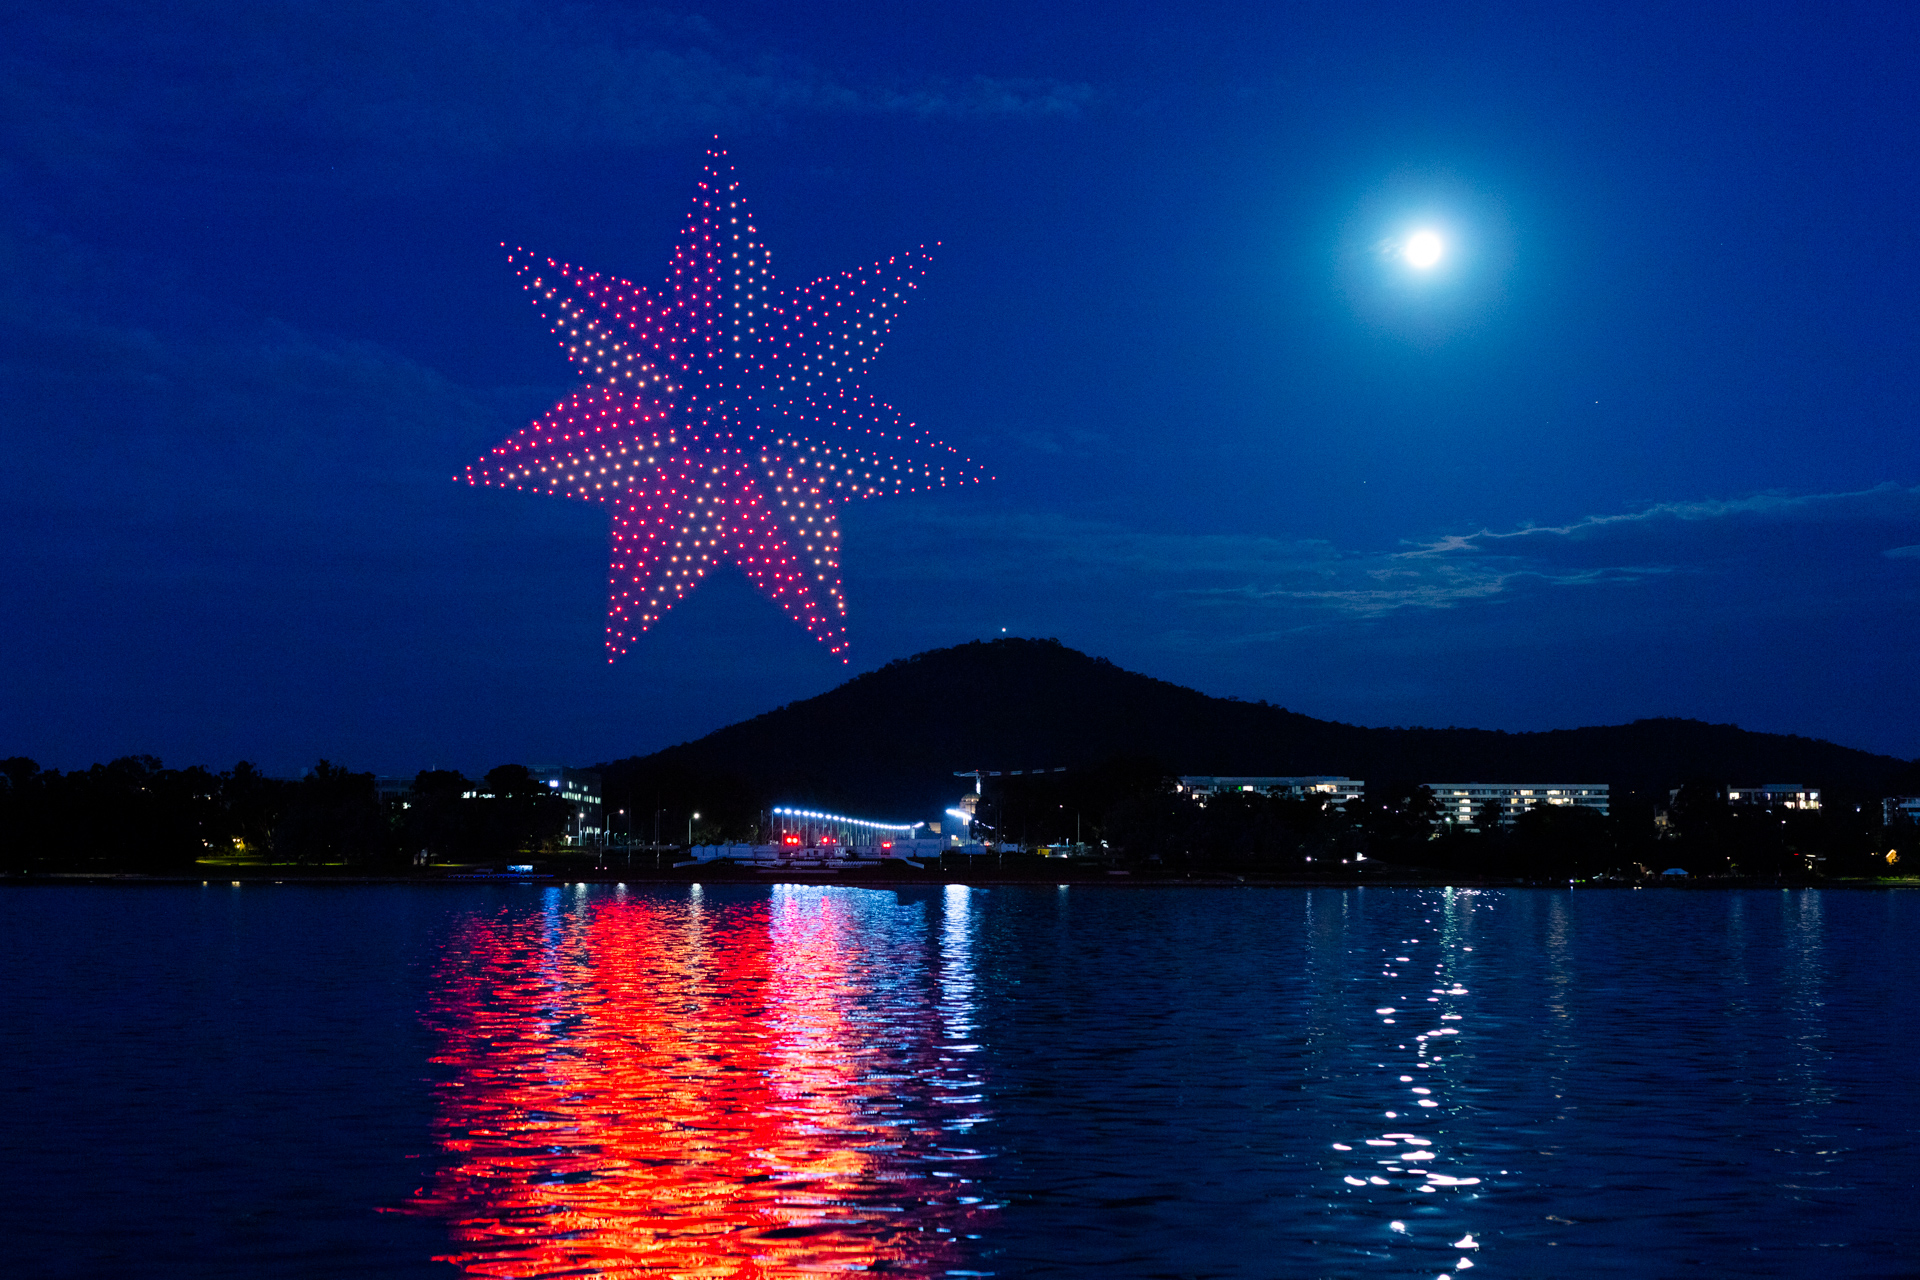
(933, 878)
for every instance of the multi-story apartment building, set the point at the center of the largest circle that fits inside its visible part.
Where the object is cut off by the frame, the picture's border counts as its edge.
(1776, 795)
(1461, 803)
(580, 788)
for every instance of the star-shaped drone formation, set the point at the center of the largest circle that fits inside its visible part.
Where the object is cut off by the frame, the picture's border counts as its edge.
(722, 418)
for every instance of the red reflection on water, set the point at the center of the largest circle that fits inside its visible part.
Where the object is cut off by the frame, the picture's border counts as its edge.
(643, 1087)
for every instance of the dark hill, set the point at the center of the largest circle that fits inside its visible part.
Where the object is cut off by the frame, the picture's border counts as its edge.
(889, 741)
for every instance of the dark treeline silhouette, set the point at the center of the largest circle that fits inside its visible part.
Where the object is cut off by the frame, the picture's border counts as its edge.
(134, 815)
(512, 812)
(1130, 810)
(652, 800)
(886, 745)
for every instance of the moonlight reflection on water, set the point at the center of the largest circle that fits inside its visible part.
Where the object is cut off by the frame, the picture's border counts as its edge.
(753, 1080)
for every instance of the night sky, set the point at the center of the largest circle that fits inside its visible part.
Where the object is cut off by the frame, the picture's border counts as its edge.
(1642, 443)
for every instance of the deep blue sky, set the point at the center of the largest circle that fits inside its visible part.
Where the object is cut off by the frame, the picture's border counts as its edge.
(1646, 448)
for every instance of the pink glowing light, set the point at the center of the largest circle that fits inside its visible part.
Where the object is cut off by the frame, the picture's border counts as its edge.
(722, 419)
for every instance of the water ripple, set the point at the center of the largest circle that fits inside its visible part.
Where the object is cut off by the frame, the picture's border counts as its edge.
(636, 1085)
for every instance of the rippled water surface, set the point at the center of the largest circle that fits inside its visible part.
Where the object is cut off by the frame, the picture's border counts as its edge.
(512, 1081)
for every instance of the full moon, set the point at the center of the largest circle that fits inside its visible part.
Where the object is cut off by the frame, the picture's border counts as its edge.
(1423, 249)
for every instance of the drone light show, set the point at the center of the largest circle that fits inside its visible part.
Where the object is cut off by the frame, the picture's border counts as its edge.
(722, 420)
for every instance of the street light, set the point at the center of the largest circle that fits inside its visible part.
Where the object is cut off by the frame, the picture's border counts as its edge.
(690, 822)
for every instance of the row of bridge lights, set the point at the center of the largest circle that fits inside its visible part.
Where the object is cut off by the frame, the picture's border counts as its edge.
(856, 822)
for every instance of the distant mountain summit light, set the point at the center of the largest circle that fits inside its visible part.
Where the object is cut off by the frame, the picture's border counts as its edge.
(722, 420)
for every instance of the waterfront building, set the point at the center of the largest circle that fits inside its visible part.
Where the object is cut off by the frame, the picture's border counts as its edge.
(1461, 803)
(1339, 792)
(393, 786)
(580, 788)
(811, 840)
(1776, 795)
(1894, 807)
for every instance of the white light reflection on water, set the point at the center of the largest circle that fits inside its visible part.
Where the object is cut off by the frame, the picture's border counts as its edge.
(959, 1077)
(1178, 1082)
(1205, 1084)
(1411, 1165)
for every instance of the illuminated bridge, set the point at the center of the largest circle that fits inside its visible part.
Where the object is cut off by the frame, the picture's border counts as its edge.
(811, 829)
(810, 839)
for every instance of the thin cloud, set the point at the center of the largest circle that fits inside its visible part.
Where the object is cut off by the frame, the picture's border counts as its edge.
(140, 429)
(363, 83)
(1195, 574)
(1253, 583)
(1883, 502)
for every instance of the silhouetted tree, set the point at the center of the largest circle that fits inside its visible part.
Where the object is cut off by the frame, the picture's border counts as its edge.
(438, 818)
(132, 814)
(26, 827)
(1397, 818)
(518, 813)
(1560, 842)
(332, 815)
(1851, 838)
(1701, 829)
(252, 804)
(729, 807)
(1153, 821)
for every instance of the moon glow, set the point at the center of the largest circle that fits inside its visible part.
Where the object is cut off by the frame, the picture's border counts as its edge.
(1423, 250)
(1424, 257)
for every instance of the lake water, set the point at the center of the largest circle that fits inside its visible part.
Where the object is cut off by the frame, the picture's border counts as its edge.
(512, 1080)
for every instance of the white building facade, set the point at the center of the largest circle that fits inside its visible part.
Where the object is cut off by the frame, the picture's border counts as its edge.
(580, 788)
(1776, 795)
(1461, 803)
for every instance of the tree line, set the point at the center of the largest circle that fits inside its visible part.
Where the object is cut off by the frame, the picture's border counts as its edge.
(1129, 810)
(135, 815)
(1135, 811)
